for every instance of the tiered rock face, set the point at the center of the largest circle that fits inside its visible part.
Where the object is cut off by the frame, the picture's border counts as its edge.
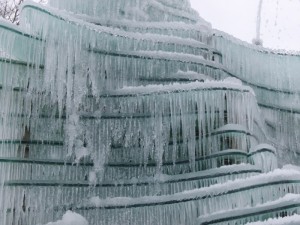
(79, 132)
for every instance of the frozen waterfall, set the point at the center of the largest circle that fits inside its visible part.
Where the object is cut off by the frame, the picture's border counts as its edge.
(138, 112)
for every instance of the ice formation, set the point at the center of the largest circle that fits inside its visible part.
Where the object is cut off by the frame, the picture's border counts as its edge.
(138, 112)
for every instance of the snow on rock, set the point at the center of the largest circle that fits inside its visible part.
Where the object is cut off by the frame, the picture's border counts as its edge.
(290, 220)
(70, 218)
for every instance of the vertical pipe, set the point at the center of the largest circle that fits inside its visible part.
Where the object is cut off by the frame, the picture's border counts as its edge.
(257, 40)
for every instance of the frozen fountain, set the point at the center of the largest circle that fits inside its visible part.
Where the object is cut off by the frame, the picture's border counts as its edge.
(138, 112)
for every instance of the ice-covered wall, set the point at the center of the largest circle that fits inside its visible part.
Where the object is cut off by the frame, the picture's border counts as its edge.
(78, 123)
(274, 76)
(139, 10)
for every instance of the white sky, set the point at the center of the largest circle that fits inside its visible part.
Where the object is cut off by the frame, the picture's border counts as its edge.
(280, 26)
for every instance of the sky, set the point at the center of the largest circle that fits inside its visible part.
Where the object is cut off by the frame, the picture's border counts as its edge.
(280, 23)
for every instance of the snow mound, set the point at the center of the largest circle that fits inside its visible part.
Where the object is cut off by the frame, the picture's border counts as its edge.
(70, 218)
(233, 80)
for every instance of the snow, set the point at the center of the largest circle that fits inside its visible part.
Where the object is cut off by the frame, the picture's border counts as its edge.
(233, 80)
(70, 218)
(291, 167)
(287, 200)
(274, 176)
(289, 220)
(138, 90)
